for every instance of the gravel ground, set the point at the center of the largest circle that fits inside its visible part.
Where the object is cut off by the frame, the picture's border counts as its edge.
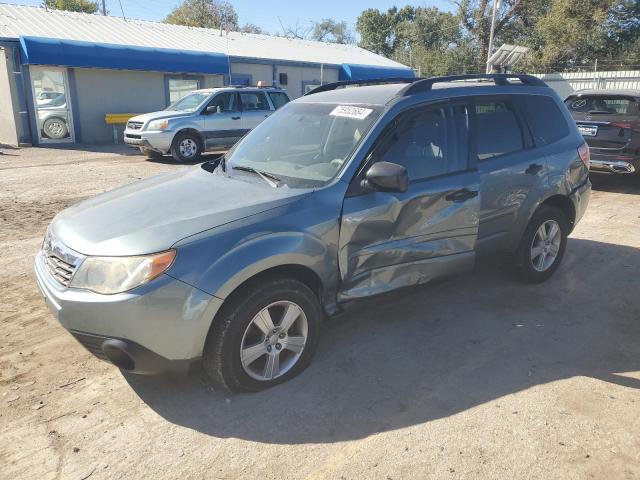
(478, 377)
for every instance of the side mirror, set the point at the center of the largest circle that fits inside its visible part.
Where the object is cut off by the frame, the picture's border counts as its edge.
(213, 109)
(386, 177)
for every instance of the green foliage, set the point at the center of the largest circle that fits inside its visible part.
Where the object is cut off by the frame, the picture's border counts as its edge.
(329, 30)
(204, 14)
(561, 34)
(251, 28)
(83, 6)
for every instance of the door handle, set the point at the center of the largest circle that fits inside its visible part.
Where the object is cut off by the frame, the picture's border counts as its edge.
(461, 195)
(534, 169)
(235, 118)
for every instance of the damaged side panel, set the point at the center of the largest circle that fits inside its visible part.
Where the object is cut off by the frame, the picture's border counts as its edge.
(393, 240)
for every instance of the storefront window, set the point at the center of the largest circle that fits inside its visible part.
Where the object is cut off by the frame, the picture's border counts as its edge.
(180, 87)
(53, 116)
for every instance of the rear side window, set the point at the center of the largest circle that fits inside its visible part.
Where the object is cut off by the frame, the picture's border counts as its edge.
(498, 130)
(226, 101)
(278, 99)
(428, 142)
(612, 105)
(253, 101)
(545, 119)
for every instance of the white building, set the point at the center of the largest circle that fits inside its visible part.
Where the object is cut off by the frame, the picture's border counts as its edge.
(79, 67)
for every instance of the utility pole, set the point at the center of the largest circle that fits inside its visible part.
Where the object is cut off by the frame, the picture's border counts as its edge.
(104, 8)
(496, 5)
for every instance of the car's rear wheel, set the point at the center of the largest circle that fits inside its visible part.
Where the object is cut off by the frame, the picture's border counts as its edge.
(266, 335)
(186, 147)
(543, 244)
(55, 128)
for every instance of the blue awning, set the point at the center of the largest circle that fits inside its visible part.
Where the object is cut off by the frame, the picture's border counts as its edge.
(73, 53)
(371, 72)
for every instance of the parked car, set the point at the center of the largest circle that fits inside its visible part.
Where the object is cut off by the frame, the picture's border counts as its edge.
(203, 120)
(609, 121)
(45, 96)
(52, 117)
(342, 194)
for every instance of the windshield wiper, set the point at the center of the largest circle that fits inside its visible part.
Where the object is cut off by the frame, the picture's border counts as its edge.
(267, 177)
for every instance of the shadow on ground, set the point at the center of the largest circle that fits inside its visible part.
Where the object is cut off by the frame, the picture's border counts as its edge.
(168, 159)
(430, 352)
(616, 183)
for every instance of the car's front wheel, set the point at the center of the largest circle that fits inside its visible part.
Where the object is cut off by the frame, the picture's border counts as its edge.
(266, 335)
(543, 244)
(186, 147)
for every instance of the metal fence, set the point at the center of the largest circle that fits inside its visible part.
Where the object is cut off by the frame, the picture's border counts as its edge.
(566, 83)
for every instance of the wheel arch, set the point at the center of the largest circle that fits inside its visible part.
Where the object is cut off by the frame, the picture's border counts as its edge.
(564, 204)
(191, 131)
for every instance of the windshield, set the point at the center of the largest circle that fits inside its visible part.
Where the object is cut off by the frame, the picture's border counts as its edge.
(304, 144)
(189, 103)
(612, 105)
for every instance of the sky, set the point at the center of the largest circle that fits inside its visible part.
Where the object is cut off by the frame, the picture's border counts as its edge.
(268, 14)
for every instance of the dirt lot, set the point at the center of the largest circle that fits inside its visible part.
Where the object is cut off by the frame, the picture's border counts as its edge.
(479, 377)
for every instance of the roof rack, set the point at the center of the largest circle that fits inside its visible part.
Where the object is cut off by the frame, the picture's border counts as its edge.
(345, 83)
(426, 84)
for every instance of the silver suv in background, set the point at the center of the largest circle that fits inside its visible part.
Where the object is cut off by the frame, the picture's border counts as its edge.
(214, 118)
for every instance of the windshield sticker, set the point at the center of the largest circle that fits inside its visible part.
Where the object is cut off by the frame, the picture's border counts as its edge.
(348, 111)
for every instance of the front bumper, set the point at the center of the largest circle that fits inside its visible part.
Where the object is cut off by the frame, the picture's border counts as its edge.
(159, 141)
(161, 326)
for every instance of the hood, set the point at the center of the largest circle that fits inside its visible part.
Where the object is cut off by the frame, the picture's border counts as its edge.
(153, 214)
(147, 117)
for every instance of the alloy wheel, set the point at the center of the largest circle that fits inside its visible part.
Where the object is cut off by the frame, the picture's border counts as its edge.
(546, 245)
(274, 340)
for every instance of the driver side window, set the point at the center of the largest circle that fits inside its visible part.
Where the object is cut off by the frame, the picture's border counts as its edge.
(428, 142)
(227, 101)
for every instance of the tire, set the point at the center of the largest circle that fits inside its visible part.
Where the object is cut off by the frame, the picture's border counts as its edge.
(55, 128)
(538, 268)
(235, 329)
(150, 153)
(186, 147)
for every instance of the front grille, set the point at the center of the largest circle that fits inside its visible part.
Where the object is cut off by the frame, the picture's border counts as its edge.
(131, 125)
(61, 262)
(59, 269)
(93, 343)
(137, 137)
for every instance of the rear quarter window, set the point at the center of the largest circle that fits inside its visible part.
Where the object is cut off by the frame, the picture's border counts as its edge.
(545, 119)
(278, 99)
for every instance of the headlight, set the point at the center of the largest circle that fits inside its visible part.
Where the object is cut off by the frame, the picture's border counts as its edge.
(158, 125)
(109, 275)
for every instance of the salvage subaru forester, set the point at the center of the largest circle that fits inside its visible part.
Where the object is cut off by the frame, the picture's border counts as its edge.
(342, 194)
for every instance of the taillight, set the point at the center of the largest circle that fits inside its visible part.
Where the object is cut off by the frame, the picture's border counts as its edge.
(635, 127)
(585, 156)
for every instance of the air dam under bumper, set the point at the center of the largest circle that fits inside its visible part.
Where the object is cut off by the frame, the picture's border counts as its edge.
(130, 356)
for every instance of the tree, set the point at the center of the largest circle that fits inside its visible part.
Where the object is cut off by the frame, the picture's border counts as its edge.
(475, 15)
(83, 6)
(251, 28)
(377, 30)
(425, 38)
(329, 30)
(204, 14)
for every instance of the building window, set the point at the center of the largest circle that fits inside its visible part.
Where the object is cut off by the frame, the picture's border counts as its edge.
(180, 87)
(307, 86)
